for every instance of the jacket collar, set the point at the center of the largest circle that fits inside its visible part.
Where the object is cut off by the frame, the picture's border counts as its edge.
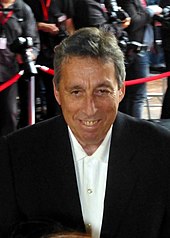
(121, 176)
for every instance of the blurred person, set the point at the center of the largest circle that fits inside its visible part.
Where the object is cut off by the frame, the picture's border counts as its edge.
(156, 54)
(54, 23)
(92, 168)
(100, 13)
(165, 33)
(16, 20)
(141, 37)
(103, 14)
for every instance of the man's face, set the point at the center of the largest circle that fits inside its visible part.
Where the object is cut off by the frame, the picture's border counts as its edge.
(89, 97)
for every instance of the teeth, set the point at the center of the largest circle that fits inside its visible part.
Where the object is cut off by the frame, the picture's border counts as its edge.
(89, 123)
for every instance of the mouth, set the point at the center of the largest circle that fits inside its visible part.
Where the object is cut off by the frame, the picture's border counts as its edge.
(89, 123)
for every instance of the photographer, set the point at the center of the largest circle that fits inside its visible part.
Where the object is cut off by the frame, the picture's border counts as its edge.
(54, 23)
(165, 33)
(16, 20)
(100, 13)
(141, 35)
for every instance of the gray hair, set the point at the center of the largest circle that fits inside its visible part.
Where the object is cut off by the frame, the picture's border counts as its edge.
(90, 42)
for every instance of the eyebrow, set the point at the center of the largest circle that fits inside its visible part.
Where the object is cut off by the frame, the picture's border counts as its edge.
(106, 84)
(102, 85)
(73, 87)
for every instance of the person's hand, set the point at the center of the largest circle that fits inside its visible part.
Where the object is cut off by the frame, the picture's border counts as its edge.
(48, 27)
(126, 22)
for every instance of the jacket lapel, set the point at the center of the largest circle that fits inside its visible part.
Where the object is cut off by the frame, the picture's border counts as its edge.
(121, 177)
(71, 193)
(68, 202)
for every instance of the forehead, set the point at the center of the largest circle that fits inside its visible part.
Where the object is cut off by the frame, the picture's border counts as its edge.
(85, 60)
(87, 68)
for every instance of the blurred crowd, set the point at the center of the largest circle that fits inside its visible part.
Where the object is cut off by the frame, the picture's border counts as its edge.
(92, 171)
(30, 29)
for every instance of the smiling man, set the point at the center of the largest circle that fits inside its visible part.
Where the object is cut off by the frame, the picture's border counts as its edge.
(92, 169)
(89, 98)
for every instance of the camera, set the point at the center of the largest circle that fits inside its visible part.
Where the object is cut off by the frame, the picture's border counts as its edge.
(22, 46)
(118, 15)
(123, 41)
(116, 19)
(61, 24)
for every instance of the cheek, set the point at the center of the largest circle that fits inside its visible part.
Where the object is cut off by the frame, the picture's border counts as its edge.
(110, 103)
(117, 98)
(70, 106)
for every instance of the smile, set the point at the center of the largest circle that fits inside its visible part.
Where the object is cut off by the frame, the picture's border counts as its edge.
(90, 123)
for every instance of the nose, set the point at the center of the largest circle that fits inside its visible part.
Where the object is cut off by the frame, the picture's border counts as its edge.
(89, 106)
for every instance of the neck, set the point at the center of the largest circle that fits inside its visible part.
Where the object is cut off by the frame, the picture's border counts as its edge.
(90, 149)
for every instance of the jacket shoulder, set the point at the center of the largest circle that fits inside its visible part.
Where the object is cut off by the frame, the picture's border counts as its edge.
(39, 133)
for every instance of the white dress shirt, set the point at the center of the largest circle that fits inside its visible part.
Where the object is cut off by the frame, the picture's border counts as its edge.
(91, 172)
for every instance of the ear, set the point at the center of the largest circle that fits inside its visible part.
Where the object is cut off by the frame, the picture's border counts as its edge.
(56, 94)
(121, 92)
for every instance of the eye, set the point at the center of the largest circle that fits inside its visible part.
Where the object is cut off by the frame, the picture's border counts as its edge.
(76, 92)
(103, 92)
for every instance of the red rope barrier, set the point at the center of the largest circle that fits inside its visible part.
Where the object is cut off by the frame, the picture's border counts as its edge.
(127, 83)
(11, 81)
(51, 71)
(144, 80)
(15, 78)
(46, 69)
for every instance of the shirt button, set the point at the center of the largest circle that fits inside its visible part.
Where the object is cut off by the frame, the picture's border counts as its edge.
(88, 228)
(89, 191)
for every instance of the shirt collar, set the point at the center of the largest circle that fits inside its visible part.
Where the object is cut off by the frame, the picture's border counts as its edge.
(101, 152)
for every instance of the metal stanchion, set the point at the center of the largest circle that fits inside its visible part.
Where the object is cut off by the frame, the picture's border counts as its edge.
(31, 101)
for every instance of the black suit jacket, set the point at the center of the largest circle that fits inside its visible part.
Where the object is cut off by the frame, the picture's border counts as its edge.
(88, 13)
(165, 28)
(38, 181)
(139, 19)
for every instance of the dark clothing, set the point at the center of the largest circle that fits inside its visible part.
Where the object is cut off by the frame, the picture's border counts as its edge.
(38, 179)
(139, 19)
(138, 67)
(64, 6)
(91, 13)
(165, 33)
(165, 113)
(46, 94)
(48, 42)
(8, 110)
(88, 13)
(21, 23)
(135, 95)
(165, 27)
(94, 13)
